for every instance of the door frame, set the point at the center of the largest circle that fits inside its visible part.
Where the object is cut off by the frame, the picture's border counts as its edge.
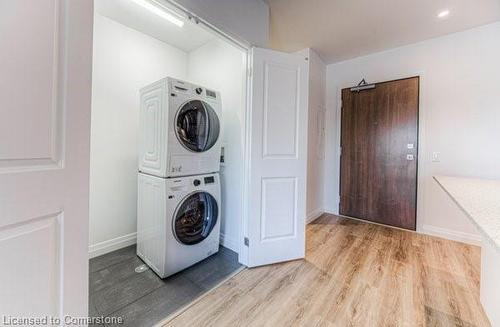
(422, 162)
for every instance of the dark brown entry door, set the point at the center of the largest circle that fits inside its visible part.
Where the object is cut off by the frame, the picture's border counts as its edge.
(378, 163)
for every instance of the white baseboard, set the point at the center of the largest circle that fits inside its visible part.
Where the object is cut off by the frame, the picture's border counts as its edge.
(450, 234)
(331, 211)
(315, 214)
(101, 248)
(229, 242)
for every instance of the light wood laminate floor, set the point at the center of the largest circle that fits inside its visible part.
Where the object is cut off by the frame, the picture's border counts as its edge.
(354, 274)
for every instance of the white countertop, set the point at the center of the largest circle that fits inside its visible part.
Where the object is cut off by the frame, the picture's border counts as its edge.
(480, 200)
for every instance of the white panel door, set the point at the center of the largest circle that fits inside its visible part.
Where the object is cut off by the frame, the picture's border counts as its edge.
(278, 157)
(45, 95)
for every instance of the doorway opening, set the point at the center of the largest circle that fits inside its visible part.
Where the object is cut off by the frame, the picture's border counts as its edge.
(379, 151)
(136, 45)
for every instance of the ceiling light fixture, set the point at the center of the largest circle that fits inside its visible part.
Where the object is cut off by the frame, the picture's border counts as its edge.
(444, 13)
(160, 12)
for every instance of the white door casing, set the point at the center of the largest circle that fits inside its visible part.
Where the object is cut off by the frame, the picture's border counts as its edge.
(278, 157)
(45, 96)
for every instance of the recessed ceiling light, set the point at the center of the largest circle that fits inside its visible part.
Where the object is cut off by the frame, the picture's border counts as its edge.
(162, 12)
(444, 13)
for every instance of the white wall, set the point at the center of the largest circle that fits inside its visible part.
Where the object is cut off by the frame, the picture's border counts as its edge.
(222, 67)
(124, 61)
(245, 19)
(459, 116)
(316, 137)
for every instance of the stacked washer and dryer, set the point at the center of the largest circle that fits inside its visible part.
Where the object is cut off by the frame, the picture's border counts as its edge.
(178, 215)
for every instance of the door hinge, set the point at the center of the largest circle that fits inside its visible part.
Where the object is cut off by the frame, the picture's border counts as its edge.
(340, 151)
(246, 241)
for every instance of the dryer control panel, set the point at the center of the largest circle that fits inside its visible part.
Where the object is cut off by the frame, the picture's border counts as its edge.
(206, 180)
(181, 87)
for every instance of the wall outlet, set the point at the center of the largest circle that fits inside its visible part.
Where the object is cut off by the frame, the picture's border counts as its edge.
(436, 156)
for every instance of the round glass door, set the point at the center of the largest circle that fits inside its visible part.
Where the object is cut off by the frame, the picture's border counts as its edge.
(195, 218)
(197, 126)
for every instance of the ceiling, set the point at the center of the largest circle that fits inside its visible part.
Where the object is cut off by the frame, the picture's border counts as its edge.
(344, 29)
(187, 38)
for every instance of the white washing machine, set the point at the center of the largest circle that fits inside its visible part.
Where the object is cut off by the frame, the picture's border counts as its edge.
(178, 221)
(179, 129)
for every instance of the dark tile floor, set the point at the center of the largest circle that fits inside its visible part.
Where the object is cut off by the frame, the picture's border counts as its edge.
(143, 299)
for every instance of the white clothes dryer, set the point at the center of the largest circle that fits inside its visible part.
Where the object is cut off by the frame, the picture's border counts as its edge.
(178, 221)
(180, 127)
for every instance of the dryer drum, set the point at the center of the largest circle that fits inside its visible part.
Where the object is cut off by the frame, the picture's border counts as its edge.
(197, 126)
(195, 218)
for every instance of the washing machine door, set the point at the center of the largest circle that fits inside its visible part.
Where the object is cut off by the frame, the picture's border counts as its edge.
(195, 218)
(197, 126)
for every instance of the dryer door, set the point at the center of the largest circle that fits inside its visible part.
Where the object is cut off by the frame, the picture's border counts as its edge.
(195, 218)
(197, 126)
